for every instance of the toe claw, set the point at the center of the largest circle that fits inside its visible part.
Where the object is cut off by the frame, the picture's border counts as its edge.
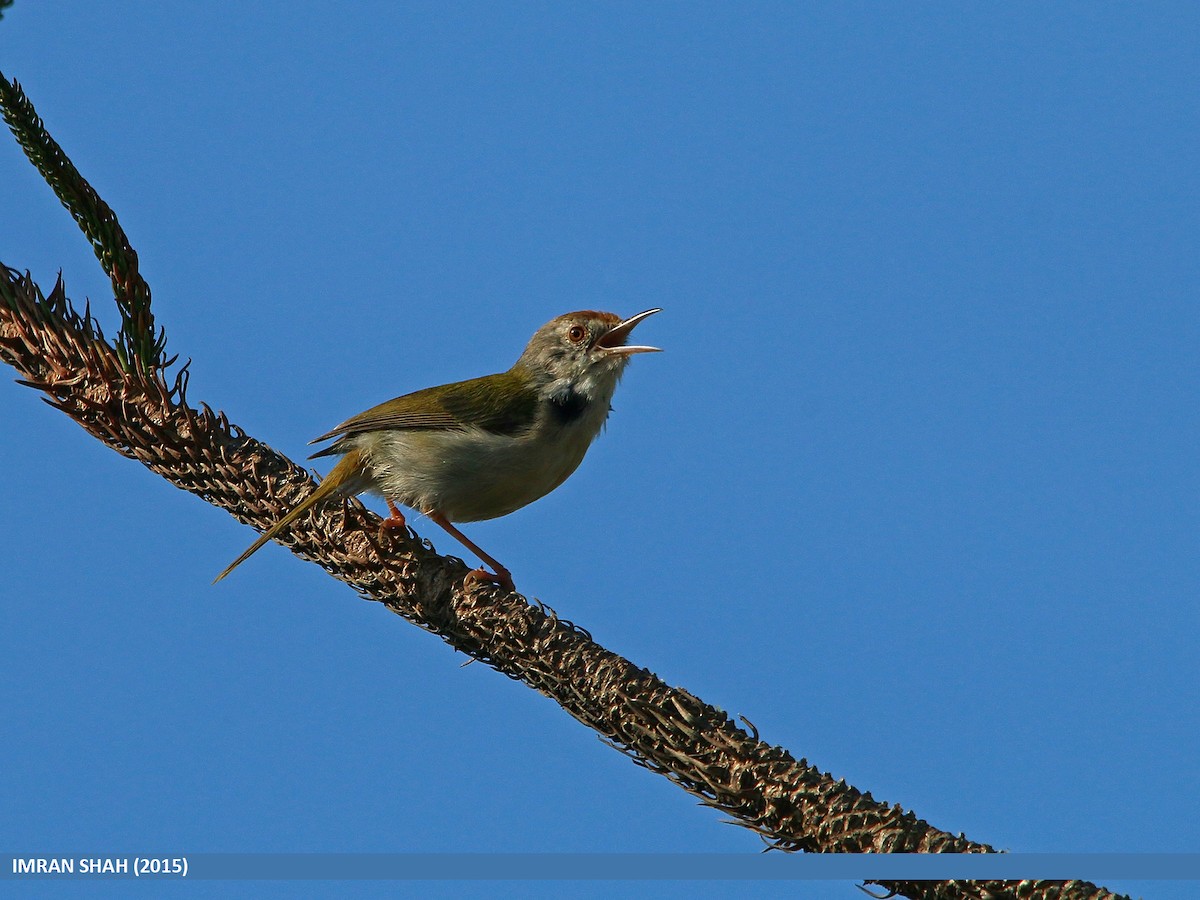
(392, 523)
(503, 578)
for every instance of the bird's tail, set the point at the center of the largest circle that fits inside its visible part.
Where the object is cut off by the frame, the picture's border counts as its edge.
(339, 482)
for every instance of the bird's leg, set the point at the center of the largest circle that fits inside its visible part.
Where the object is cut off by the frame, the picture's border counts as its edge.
(502, 577)
(395, 520)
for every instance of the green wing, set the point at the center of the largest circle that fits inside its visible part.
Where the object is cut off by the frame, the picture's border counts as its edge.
(501, 404)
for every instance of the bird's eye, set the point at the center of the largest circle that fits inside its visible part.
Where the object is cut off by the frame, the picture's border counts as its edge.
(576, 334)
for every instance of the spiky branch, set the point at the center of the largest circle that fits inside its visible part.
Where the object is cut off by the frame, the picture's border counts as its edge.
(120, 392)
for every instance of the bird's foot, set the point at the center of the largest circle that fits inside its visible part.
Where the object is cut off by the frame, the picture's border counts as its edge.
(392, 522)
(503, 578)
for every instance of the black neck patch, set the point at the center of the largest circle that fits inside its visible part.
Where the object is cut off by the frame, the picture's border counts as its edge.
(568, 407)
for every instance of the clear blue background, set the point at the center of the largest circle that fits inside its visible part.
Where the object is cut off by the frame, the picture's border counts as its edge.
(914, 487)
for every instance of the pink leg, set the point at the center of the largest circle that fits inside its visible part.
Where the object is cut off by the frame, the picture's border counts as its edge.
(502, 577)
(395, 520)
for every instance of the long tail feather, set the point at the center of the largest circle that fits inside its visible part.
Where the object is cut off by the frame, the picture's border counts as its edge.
(347, 471)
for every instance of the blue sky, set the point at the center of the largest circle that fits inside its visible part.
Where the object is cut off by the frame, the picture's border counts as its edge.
(913, 487)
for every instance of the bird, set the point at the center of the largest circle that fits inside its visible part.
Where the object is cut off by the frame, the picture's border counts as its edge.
(482, 448)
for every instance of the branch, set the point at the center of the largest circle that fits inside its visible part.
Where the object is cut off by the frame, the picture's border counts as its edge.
(134, 410)
(137, 344)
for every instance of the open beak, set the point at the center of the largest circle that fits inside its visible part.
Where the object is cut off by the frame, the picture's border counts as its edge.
(614, 339)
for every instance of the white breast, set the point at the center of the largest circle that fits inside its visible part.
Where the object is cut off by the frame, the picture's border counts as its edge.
(473, 474)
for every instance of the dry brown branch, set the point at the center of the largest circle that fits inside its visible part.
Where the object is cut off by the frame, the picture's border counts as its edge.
(142, 414)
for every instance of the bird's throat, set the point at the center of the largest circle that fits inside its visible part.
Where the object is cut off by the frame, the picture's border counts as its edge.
(568, 406)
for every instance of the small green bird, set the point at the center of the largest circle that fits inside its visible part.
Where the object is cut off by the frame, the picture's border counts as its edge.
(482, 448)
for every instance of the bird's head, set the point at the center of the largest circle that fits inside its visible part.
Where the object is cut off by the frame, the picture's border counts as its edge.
(582, 352)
